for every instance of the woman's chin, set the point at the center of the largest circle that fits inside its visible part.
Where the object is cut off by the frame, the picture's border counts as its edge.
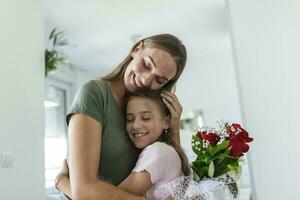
(131, 88)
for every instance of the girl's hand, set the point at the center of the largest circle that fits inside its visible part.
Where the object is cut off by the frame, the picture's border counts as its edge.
(172, 102)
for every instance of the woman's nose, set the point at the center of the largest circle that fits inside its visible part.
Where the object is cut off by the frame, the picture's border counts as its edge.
(147, 80)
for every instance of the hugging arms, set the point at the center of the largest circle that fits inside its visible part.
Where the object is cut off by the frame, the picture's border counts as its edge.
(97, 139)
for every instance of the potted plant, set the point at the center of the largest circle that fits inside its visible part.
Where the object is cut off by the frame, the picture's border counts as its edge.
(54, 56)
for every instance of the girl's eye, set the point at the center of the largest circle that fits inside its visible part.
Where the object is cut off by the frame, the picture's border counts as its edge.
(146, 118)
(129, 120)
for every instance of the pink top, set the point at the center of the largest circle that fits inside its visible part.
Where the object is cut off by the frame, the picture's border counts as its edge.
(162, 162)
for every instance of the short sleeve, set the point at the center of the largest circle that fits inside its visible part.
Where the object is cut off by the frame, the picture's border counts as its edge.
(89, 101)
(161, 161)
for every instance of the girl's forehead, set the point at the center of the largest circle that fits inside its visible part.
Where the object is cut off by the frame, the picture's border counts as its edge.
(142, 103)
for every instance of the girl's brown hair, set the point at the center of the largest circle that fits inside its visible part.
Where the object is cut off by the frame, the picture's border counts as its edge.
(166, 42)
(167, 138)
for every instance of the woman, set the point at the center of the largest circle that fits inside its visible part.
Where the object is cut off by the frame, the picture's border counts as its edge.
(100, 152)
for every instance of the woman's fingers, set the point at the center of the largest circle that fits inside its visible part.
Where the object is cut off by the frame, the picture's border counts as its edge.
(169, 106)
(173, 102)
(64, 172)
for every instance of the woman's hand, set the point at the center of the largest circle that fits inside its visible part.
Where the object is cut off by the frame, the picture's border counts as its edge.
(172, 102)
(64, 172)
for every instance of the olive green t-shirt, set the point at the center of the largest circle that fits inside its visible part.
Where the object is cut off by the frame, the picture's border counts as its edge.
(118, 154)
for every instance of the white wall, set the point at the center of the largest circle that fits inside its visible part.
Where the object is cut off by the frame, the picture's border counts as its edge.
(21, 101)
(267, 49)
(208, 82)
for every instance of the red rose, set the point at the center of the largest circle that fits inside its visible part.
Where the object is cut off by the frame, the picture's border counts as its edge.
(238, 139)
(212, 138)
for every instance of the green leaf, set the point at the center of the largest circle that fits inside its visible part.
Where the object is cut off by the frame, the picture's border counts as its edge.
(224, 145)
(211, 169)
(219, 159)
(203, 158)
(52, 34)
(210, 150)
(200, 170)
(199, 163)
(233, 166)
(223, 168)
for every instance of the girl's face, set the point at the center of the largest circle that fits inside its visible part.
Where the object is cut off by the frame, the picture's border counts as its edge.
(145, 122)
(150, 68)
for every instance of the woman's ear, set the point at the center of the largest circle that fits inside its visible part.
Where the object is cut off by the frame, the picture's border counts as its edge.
(137, 48)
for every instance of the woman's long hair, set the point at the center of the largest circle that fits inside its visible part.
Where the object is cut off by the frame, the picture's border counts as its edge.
(166, 42)
(167, 138)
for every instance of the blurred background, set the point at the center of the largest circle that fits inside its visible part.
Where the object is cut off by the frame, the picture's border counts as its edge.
(243, 66)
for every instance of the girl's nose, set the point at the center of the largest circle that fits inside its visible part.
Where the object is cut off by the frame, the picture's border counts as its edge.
(136, 125)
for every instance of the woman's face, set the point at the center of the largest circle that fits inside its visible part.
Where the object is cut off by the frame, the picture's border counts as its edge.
(145, 122)
(150, 68)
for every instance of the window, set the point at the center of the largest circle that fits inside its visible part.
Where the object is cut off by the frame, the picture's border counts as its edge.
(55, 129)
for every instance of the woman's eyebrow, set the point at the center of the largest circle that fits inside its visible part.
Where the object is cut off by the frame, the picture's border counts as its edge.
(154, 65)
(152, 61)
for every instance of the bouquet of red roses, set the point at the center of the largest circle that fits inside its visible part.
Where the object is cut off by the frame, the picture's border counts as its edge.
(219, 151)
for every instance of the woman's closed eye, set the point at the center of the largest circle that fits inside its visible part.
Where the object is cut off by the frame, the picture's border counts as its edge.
(160, 81)
(147, 67)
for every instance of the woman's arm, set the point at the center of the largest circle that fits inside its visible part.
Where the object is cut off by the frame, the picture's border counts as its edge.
(84, 136)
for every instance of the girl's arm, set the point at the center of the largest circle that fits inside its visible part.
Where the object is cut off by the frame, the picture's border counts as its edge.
(136, 183)
(84, 136)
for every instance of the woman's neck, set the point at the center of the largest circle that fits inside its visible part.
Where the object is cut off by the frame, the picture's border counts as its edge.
(118, 90)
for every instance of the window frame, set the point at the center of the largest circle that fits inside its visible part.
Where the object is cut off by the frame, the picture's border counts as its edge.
(67, 88)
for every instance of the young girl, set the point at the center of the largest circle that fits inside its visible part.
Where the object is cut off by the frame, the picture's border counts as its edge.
(162, 159)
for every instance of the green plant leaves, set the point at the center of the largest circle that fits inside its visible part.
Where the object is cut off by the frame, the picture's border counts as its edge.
(53, 57)
(212, 161)
(58, 38)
